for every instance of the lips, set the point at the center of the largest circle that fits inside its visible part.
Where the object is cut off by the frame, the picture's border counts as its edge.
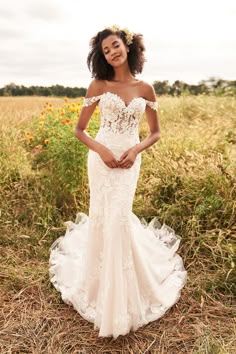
(116, 57)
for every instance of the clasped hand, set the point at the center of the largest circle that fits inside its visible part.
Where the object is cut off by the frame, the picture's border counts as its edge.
(125, 161)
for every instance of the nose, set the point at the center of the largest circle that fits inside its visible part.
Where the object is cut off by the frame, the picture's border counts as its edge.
(113, 53)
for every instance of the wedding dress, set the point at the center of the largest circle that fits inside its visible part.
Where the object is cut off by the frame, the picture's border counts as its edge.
(117, 271)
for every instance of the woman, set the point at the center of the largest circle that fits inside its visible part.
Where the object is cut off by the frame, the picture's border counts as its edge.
(115, 271)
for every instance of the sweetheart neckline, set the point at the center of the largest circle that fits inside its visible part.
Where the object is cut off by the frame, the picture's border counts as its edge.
(116, 95)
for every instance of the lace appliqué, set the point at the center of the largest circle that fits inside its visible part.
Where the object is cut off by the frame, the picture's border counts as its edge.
(116, 116)
(88, 101)
(153, 105)
(119, 118)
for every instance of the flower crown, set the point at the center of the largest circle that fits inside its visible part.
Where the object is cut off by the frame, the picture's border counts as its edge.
(128, 35)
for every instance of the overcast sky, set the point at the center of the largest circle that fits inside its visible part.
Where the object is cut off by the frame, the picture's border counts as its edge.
(46, 42)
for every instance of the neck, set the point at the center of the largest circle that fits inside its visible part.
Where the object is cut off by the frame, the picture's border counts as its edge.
(124, 80)
(123, 75)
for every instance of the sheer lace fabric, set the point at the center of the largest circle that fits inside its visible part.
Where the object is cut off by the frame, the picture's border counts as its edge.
(116, 116)
(117, 271)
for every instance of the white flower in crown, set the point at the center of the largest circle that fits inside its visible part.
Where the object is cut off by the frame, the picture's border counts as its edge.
(114, 28)
(129, 35)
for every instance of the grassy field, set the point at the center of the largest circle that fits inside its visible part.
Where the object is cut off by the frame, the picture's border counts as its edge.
(187, 180)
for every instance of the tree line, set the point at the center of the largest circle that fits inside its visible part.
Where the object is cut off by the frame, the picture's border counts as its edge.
(212, 85)
(55, 90)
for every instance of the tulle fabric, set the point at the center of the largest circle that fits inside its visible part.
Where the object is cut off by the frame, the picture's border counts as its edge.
(130, 277)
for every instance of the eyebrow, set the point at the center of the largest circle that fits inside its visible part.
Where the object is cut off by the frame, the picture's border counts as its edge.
(116, 41)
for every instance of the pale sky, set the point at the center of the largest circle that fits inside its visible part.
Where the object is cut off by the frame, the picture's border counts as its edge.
(46, 42)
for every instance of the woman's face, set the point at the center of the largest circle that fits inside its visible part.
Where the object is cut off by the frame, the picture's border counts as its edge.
(114, 50)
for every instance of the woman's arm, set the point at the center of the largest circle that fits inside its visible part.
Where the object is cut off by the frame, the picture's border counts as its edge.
(84, 118)
(128, 157)
(152, 119)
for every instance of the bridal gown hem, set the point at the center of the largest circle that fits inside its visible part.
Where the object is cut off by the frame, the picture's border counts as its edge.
(117, 271)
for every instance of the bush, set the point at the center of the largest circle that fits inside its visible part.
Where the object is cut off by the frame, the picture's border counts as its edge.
(58, 155)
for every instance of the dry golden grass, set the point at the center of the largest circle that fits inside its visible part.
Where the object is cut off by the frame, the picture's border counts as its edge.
(15, 111)
(33, 318)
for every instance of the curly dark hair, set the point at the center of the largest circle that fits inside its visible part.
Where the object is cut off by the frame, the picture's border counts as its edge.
(97, 63)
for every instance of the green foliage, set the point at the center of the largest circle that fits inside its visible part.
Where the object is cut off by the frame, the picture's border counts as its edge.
(59, 156)
(55, 90)
(211, 86)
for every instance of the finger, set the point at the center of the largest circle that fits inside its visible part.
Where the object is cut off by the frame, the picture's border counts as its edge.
(123, 156)
(109, 164)
(124, 166)
(115, 163)
(126, 163)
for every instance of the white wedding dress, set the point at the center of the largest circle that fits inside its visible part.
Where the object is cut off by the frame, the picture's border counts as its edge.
(118, 272)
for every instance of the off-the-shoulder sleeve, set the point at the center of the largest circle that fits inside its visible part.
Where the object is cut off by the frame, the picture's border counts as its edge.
(90, 100)
(153, 105)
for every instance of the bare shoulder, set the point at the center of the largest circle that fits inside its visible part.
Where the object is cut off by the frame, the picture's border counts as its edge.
(96, 88)
(147, 91)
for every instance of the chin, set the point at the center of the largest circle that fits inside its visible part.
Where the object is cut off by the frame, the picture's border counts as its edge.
(117, 64)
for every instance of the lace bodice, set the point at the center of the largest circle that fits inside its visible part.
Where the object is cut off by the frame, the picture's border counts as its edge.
(116, 116)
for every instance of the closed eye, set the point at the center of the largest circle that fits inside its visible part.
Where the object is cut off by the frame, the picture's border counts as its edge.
(114, 45)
